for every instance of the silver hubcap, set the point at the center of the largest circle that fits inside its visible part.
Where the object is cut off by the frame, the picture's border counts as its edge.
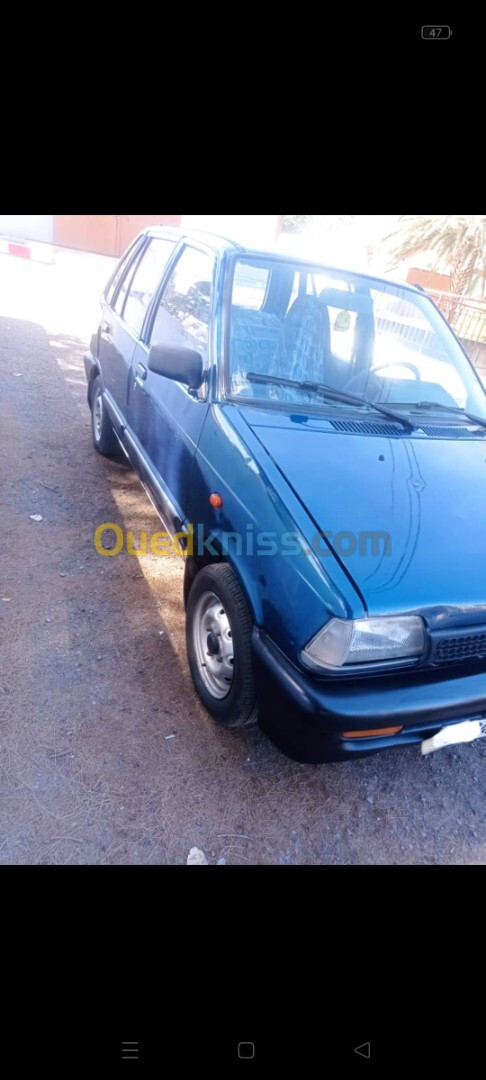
(98, 416)
(213, 643)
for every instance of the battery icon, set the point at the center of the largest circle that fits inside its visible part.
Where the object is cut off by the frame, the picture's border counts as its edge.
(432, 33)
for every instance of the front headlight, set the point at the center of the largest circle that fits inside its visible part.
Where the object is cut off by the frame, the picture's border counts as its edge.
(365, 641)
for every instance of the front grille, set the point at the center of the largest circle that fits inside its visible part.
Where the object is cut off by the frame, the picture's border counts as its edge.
(452, 650)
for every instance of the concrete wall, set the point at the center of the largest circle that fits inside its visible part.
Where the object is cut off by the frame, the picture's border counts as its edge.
(28, 227)
(429, 279)
(110, 234)
(87, 232)
(104, 234)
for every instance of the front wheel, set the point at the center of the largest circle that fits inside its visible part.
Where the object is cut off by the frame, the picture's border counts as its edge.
(218, 636)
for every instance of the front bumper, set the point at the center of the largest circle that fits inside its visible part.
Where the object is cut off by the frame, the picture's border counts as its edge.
(305, 715)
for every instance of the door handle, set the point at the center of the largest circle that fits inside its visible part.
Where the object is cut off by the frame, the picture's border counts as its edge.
(140, 375)
(105, 328)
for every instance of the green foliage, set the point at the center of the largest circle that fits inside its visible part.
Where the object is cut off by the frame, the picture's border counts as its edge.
(457, 241)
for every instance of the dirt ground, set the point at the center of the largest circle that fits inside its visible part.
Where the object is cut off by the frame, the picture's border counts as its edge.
(93, 672)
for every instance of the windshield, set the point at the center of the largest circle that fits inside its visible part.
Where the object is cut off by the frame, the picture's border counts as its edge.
(377, 341)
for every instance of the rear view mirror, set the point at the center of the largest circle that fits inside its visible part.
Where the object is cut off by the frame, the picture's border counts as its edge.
(343, 321)
(175, 362)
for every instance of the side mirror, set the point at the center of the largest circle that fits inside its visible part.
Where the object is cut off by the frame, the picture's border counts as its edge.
(175, 362)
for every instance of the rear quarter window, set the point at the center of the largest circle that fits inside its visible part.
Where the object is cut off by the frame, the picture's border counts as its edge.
(125, 261)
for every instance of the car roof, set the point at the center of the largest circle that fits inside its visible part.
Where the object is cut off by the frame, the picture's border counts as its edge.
(223, 244)
(218, 243)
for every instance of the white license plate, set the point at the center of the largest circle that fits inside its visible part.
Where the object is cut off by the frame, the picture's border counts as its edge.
(466, 731)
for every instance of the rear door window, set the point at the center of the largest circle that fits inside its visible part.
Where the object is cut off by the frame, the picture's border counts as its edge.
(127, 259)
(143, 285)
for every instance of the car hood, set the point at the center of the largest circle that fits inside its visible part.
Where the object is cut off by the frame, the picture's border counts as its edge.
(423, 498)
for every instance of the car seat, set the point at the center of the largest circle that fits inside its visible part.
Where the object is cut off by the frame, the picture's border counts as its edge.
(306, 340)
(341, 372)
(256, 344)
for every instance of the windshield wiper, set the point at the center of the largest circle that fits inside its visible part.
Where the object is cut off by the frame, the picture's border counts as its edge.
(431, 405)
(331, 393)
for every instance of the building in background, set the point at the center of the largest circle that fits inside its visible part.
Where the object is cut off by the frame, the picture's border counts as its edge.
(104, 234)
(428, 279)
(110, 234)
(353, 241)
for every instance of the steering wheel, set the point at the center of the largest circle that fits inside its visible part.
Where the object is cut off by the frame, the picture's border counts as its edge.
(379, 367)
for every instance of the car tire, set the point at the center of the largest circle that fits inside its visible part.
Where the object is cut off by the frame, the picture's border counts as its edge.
(218, 637)
(104, 438)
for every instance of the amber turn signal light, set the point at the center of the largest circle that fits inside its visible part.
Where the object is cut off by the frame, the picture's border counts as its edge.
(372, 731)
(215, 499)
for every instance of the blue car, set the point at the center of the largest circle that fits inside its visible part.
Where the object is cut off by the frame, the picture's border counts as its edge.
(314, 441)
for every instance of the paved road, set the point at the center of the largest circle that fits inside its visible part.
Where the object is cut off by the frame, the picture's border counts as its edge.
(93, 674)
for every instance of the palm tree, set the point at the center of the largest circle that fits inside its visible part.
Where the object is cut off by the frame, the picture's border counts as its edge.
(459, 242)
(295, 222)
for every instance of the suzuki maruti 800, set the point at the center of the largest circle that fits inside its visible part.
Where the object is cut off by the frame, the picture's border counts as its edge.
(316, 441)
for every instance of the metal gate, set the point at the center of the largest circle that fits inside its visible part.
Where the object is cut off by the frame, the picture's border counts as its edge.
(468, 320)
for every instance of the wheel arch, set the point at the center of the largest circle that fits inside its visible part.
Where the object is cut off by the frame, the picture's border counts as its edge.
(94, 374)
(241, 569)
